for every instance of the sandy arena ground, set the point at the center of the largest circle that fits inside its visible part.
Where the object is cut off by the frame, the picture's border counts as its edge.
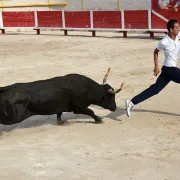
(142, 147)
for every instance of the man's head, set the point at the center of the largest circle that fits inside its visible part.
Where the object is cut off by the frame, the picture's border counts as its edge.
(173, 27)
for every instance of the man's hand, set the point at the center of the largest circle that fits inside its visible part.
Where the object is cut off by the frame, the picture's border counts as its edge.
(156, 70)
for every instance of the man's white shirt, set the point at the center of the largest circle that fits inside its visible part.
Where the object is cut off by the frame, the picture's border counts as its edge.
(171, 50)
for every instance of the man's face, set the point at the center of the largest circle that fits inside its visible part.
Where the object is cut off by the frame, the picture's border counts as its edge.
(176, 29)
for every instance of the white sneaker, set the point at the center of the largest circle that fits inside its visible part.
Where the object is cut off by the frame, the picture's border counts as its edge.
(129, 105)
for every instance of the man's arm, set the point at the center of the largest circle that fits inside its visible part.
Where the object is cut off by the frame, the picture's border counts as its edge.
(156, 65)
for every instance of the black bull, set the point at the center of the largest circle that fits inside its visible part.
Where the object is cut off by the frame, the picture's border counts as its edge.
(69, 93)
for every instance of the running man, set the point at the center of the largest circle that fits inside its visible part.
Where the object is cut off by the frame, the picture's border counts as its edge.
(170, 44)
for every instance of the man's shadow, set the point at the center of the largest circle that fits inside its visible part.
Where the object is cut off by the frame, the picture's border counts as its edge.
(121, 111)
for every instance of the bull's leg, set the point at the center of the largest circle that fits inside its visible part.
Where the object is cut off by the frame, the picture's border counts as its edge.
(59, 120)
(88, 112)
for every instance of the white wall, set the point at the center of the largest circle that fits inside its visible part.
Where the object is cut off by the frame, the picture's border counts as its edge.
(101, 4)
(109, 4)
(136, 4)
(77, 4)
(15, 2)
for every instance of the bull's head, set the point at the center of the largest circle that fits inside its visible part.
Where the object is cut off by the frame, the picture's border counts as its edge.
(108, 101)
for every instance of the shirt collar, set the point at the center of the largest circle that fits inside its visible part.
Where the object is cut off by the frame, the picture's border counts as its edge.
(174, 41)
(169, 39)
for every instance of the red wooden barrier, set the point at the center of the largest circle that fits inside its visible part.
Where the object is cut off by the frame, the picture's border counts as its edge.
(77, 19)
(136, 19)
(158, 19)
(49, 18)
(18, 19)
(74, 20)
(107, 19)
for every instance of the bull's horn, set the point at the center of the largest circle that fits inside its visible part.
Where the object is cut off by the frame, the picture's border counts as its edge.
(116, 91)
(106, 75)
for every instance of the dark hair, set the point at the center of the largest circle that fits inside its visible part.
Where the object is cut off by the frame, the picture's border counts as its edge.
(171, 23)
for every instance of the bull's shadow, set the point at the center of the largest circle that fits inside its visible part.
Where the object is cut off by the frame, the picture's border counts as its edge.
(40, 120)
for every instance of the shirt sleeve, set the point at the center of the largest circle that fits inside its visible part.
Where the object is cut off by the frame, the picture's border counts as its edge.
(160, 45)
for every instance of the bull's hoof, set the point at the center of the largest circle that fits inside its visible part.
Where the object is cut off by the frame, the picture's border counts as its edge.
(98, 120)
(61, 122)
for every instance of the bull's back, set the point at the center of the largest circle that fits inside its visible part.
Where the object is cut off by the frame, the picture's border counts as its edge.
(53, 93)
(78, 82)
(70, 80)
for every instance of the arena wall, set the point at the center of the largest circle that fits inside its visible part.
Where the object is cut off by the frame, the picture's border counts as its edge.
(77, 5)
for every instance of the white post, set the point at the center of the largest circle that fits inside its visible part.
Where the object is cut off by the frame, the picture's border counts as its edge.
(91, 19)
(63, 19)
(122, 19)
(149, 19)
(1, 20)
(36, 19)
